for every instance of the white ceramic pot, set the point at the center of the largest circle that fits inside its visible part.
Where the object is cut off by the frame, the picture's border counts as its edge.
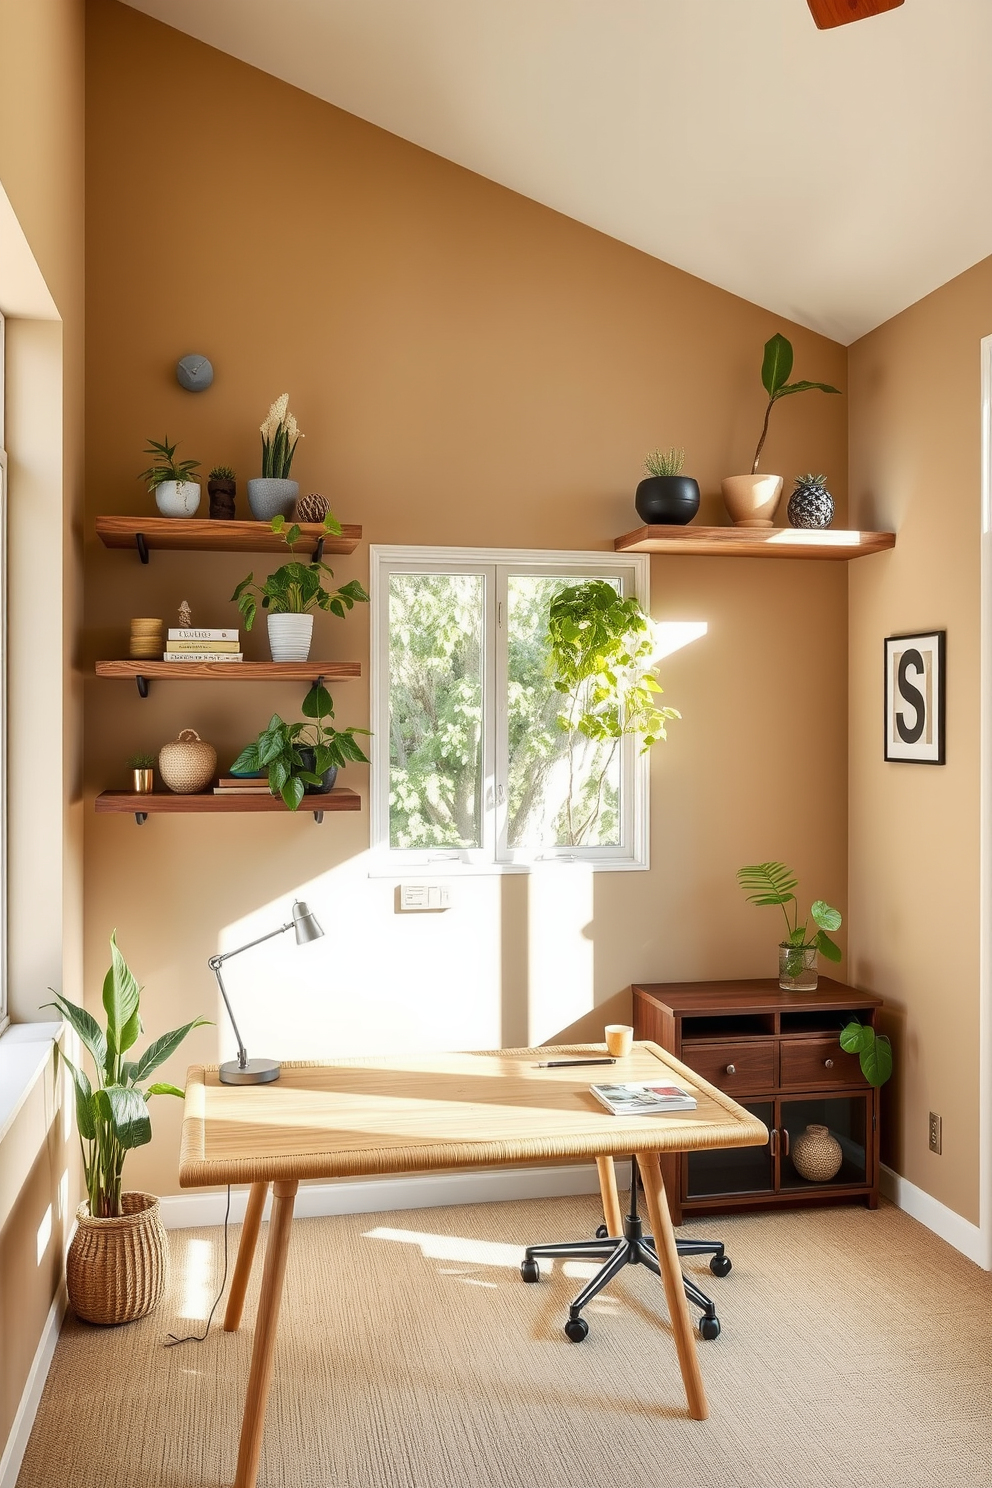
(290, 637)
(177, 498)
(752, 500)
(269, 497)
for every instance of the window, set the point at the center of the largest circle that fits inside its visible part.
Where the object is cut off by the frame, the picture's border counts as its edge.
(3, 699)
(470, 765)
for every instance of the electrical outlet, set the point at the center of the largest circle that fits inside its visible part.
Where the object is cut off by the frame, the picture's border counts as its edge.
(935, 1133)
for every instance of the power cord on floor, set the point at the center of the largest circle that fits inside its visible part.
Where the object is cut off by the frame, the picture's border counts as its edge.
(174, 1338)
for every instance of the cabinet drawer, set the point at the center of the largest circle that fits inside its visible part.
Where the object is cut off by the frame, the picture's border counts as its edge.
(753, 1064)
(820, 1062)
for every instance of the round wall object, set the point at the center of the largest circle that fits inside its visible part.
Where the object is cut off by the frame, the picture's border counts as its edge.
(194, 373)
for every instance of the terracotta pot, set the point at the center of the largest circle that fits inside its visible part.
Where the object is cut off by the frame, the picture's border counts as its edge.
(752, 500)
(187, 764)
(116, 1269)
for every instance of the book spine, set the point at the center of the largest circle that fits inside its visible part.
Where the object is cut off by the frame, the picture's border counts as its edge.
(193, 634)
(202, 656)
(239, 790)
(176, 648)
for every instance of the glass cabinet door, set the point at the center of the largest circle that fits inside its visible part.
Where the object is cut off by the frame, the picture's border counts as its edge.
(846, 1143)
(732, 1170)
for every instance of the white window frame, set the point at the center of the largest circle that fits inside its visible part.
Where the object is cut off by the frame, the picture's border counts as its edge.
(4, 1018)
(494, 857)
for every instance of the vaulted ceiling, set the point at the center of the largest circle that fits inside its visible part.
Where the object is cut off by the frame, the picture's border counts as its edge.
(832, 176)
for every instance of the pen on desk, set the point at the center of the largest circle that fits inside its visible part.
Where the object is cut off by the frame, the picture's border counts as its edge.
(568, 1063)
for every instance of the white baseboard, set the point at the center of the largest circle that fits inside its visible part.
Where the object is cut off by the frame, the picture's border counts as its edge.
(949, 1225)
(370, 1196)
(20, 1431)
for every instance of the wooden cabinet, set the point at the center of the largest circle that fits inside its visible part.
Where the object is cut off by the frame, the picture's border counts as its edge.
(778, 1054)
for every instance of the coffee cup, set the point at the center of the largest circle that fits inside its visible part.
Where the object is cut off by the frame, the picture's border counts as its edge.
(619, 1039)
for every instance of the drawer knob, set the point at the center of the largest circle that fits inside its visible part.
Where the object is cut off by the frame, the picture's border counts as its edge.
(828, 1064)
(731, 1069)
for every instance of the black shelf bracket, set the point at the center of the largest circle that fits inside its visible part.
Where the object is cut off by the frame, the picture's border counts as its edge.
(142, 685)
(141, 817)
(318, 817)
(142, 546)
(318, 552)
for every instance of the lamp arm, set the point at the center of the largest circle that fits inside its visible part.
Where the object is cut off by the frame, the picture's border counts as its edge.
(216, 962)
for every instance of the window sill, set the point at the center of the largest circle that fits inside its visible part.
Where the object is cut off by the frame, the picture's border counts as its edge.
(25, 1049)
(450, 868)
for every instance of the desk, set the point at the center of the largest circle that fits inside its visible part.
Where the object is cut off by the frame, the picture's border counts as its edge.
(419, 1113)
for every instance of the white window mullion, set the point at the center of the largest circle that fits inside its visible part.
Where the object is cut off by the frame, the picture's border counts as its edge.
(500, 679)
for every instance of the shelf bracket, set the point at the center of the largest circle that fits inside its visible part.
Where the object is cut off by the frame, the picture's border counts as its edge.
(318, 552)
(141, 817)
(318, 817)
(142, 685)
(142, 546)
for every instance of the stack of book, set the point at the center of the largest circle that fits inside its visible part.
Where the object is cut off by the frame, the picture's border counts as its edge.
(242, 785)
(194, 644)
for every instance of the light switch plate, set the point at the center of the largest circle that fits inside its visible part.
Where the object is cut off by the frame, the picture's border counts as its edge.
(424, 896)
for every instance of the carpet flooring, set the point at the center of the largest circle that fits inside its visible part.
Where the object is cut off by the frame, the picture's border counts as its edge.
(856, 1353)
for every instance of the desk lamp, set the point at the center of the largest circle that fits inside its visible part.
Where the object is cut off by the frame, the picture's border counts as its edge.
(245, 1071)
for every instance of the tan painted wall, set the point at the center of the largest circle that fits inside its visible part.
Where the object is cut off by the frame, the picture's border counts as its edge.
(914, 864)
(469, 368)
(41, 168)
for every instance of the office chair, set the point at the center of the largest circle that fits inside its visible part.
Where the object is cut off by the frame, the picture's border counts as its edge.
(633, 1247)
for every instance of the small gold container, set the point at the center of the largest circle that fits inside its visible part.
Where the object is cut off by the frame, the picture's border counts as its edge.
(144, 781)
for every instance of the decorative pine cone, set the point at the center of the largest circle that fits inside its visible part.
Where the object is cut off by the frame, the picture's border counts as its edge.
(312, 508)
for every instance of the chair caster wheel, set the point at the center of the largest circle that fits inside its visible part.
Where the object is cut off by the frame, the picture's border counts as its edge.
(709, 1327)
(601, 1232)
(576, 1329)
(721, 1265)
(530, 1270)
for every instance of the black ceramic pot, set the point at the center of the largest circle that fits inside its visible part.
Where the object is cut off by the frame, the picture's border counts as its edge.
(326, 780)
(667, 500)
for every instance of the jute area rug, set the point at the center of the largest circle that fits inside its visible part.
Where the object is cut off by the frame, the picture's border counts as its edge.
(856, 1353)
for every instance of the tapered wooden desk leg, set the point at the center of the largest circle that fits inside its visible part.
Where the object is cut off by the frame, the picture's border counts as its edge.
(609, 1195)
(246, 1255)
(266, 1325)
(671, 1275)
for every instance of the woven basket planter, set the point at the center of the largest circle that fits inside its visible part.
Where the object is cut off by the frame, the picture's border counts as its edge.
(117, 1269)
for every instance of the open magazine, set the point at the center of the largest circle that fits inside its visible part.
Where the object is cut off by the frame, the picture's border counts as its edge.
(643, 1100)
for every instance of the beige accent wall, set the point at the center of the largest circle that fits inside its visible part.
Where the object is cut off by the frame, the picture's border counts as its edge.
(468, 368)
(914, 864)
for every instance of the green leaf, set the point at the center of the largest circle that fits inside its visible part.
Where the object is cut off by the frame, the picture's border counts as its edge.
(164, 1088)
(876, 1059)
(318, 703)
(805, 387)
(855, 1036)
(332, 525)
(278, 523)
(120, 1002)
(247, 761)
(776, 364)
(159, 1050)
(827, 947)
(293, 793)
(124, 1111)
(84, 1025)
(825, 917)
(769, 883)
(85, 1118)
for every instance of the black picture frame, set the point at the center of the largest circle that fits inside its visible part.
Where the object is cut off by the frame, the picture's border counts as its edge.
(913, 698)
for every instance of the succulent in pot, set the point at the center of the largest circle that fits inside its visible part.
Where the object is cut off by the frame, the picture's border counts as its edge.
(142, 768)
(222, 488)
(273, 494)
(811, 504)
(292, 593)
(175, 494)
(302, 758)
(665, 495)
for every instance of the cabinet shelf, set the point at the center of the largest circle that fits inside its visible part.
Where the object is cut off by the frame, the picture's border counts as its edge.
(755, 542)
(164, 803)
(206, 535)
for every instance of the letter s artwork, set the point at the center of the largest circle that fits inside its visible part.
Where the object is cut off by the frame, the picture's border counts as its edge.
(914, 698)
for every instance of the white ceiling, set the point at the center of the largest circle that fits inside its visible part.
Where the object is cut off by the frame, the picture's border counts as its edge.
(832, 176)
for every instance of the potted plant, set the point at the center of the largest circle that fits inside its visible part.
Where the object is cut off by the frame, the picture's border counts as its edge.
(599, 646)
(666, 495)
(222, 490)
(142, 766)
(752, 499)
(811, 504)
(302, 758)
(117, 1265)
(291, 594)
(773, 883)
(274, 494)
(175, 494)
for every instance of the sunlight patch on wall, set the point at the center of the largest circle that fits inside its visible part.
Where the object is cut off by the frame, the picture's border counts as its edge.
(672, 635)
(561, 952)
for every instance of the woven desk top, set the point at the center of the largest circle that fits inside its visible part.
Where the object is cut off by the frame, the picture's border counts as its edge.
(423, 1112)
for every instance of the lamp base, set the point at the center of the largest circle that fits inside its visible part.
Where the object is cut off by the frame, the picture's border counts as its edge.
(255, 1072)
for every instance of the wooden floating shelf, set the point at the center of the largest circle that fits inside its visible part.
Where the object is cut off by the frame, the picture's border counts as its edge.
(205, 535)
(755, 542)
(164, 803)
(230, 671)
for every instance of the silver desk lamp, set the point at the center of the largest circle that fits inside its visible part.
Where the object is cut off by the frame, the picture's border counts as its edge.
(245, 1071)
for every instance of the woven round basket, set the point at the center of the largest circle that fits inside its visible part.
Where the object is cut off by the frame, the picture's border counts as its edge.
(187, 764)
(116, 1269)
(817, 1155)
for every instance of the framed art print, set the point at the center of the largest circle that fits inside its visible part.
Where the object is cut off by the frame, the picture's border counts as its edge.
(914, 697)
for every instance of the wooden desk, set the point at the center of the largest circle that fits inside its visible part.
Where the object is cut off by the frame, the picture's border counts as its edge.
(420, 1113)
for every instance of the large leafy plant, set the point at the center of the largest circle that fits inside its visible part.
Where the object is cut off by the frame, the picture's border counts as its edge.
(773, 884)
(112, 1112)
(776, 369)
(296, 588)
(280, 747)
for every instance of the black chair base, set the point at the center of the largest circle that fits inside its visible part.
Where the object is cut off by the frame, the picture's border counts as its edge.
(631, 1248)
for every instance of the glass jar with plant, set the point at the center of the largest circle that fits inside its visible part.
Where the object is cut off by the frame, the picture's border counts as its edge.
(142, 766)
(772, 884)
(222, 489)
(599, 646)
(274, 494)
(117, 1263)
(175, 494)
(752, 499)
(292, 593)
(302, 758)
(666, 495)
